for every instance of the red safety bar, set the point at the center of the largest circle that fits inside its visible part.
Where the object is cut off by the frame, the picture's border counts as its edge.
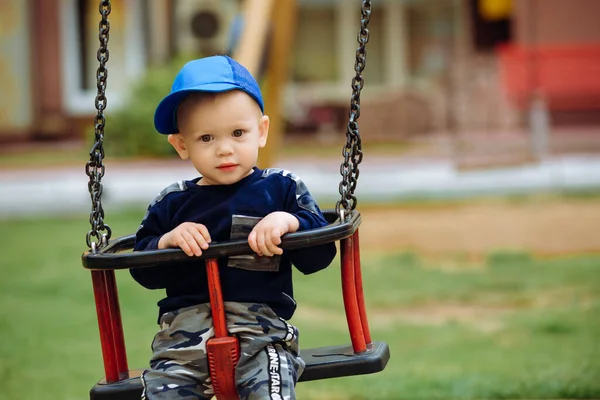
(566, 75)
(353, 294)
(223, 350)
(360, 294)
(110, 325)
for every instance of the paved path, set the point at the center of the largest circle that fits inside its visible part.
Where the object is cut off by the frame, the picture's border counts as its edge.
(58, 190)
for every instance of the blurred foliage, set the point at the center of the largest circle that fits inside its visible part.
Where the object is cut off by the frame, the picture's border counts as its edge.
(130, 130)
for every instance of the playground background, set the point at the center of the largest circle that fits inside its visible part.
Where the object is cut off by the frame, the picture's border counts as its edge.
(479, 189)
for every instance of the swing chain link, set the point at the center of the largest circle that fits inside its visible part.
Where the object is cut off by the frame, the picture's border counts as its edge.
(95, 167)
(352, 150)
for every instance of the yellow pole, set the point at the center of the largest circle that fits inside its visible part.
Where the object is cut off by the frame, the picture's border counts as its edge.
(281, 15)
(251, 47)
(282, 40)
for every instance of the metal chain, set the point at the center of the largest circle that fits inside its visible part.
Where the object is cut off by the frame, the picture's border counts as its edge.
(95, 168)
(352, 150)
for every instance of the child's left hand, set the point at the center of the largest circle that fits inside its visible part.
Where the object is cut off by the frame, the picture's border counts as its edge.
(266, 235)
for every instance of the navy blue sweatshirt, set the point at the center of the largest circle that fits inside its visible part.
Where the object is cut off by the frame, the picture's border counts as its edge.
(230, 212)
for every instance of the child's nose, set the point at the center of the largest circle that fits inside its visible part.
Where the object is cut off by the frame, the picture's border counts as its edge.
(224, 148)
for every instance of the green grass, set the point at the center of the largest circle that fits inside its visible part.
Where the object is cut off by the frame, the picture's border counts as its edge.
(512, 326)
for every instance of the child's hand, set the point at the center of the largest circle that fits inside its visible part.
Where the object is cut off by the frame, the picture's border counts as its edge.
(192, 238)
(266, 235)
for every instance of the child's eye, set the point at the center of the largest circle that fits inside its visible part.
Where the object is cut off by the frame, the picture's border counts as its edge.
(237, 133)
(205, 138)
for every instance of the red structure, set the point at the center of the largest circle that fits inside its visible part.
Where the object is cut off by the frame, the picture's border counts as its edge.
(566, 75)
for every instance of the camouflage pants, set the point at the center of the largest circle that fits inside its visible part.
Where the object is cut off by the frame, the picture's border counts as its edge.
(268, 367)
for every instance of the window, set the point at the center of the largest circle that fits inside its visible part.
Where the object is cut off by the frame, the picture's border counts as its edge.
(490, 27)
(315, 55)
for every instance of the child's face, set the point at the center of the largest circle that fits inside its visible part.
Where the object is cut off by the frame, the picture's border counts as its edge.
(221, 135)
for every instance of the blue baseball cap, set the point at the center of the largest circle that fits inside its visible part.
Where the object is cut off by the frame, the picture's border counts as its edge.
(210, 74)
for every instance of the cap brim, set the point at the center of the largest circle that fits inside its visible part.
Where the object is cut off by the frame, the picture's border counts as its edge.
(165, 116)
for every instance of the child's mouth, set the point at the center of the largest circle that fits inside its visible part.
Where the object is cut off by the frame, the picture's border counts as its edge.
(227, 167)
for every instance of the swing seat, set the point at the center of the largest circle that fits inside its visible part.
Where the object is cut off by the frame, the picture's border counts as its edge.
(321, 363)
(362, 357)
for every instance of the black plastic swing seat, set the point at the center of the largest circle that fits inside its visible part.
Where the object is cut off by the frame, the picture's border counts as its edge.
(321, 363)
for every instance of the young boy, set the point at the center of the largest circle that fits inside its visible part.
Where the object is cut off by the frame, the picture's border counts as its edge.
(214, 117)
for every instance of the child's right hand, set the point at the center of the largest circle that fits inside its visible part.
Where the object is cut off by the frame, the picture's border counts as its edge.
(190, 237)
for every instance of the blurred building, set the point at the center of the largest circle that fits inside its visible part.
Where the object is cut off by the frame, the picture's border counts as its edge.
(432, 64)
(554, 53)
(48, 63)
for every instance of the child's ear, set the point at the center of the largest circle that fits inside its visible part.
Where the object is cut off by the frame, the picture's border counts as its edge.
(178, 143)
(263, 131)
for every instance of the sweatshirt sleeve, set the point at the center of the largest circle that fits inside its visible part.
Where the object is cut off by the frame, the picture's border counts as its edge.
(302, 205)
(155, 223)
